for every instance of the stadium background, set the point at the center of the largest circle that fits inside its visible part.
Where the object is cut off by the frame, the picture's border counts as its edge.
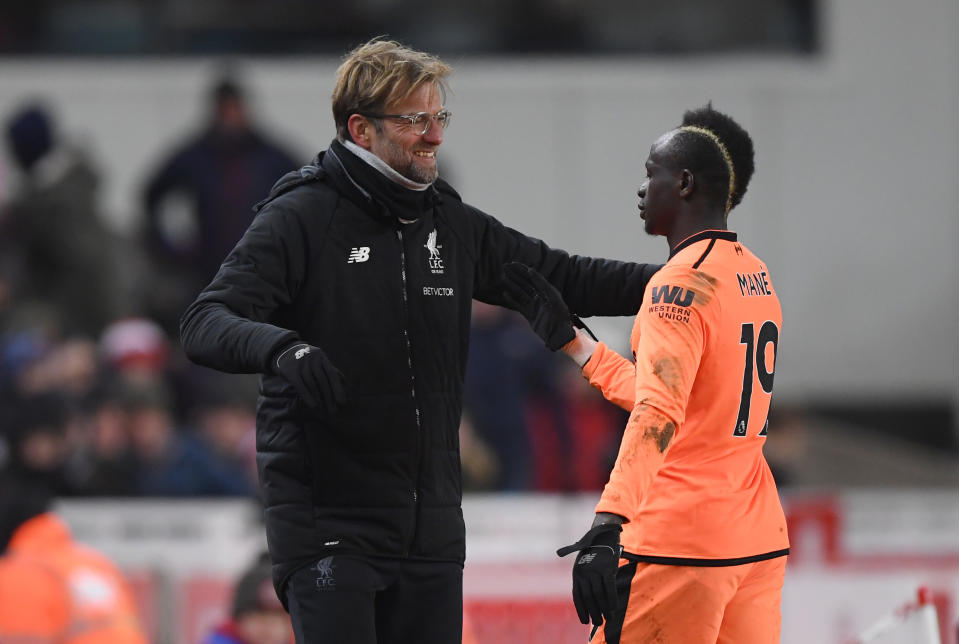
(853, 112)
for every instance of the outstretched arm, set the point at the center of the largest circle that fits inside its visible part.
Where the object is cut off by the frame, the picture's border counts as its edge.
(543, 306)
(589, 285)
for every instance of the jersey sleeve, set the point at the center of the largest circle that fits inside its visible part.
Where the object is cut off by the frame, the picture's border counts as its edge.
(673, 320)
(613, 375)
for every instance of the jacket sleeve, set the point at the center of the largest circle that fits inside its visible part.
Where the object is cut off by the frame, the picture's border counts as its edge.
(228, 326)
(590, 286)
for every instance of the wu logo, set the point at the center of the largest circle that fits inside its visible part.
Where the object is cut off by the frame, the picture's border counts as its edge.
(435, 261)
(359, 254)
(324, 574)
(667, 294)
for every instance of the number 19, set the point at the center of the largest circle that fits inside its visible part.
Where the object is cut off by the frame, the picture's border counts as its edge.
(768, 332)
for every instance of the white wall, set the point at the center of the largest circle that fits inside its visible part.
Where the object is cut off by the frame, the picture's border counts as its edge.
(852, 203)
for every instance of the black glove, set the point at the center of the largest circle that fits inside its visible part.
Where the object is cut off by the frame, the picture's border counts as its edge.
(540, 303)
(316, 380)
(594, 573)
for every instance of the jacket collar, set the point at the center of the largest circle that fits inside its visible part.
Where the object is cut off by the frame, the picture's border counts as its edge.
(370, 189)
(347, 186)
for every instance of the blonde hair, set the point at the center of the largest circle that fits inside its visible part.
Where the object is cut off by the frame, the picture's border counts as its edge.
(379, 73)
(712, 136)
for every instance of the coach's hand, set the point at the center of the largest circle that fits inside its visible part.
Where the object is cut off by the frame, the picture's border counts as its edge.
(594, 572)
(316, 380)
(540, 303)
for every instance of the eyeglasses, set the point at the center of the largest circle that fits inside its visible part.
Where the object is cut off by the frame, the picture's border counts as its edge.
(420, 122)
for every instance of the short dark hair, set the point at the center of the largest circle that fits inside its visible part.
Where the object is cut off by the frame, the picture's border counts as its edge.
(706, 160)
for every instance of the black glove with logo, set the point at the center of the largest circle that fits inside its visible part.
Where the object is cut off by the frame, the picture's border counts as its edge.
(316, 380)
(540, 303)
(594, 573)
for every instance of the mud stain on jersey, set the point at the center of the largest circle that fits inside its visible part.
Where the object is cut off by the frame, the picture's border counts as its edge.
(704, 285)
(660, 435)
(670, 371)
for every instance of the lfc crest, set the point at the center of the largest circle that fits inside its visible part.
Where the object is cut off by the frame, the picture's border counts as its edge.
(435, 261)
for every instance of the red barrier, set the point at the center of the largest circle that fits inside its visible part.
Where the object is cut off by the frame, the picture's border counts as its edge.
(529, 621)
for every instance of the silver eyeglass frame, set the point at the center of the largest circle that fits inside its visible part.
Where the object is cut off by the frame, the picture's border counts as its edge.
(444, 116)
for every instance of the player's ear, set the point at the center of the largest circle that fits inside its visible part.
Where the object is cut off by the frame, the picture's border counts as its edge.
(686, 183)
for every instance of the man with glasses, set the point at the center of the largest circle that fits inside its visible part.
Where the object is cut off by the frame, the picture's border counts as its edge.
(351, 294)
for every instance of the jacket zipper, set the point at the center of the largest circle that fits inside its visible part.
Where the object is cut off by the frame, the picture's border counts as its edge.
(416, 407)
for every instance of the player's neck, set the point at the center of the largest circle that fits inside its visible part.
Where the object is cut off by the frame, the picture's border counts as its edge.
(688, 225)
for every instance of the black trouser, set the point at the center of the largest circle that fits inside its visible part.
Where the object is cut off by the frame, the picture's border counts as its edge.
(351, 599)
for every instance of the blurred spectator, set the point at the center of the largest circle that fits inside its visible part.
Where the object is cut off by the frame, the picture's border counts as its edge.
(172, 462)
(507, 368)
(135, 349)
(257, 616)
(56, 249)
(53, 589)
(36, 360)
(106, 464)
(19, 352)
(36, 428)
(199, 201)
(225, 416)
(96, 418)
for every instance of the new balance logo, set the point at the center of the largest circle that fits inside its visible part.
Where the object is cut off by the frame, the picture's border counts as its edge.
(671, 295)
(587, 558)
(359, 254)
(301, 352)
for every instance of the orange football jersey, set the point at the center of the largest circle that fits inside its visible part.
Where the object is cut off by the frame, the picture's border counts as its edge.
(690, 476)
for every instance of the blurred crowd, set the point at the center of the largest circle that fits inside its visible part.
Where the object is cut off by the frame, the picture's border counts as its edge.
(96, 397)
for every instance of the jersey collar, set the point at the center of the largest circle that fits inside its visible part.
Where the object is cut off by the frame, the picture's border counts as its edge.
(727, 235)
